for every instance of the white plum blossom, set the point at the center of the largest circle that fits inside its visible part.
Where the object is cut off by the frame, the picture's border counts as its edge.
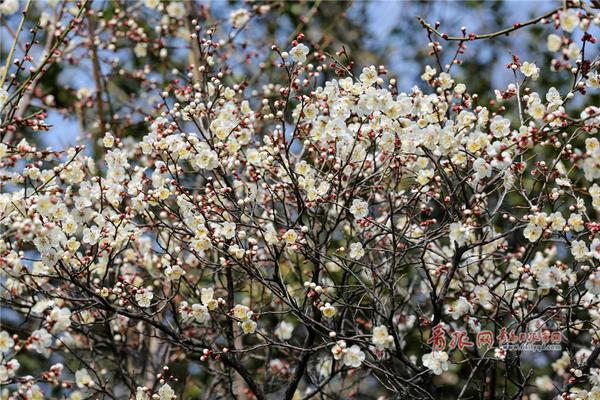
(9, 7)
(284, 330)
(83, 378)
(356, 251)
(299, 53)
(288, 216)
(460, 308)
(239, 17)
(359, 208)
(530, 70)
(499, 126)
(175, 9)
(200, 313)
(381, 337)
(9, 369)
(436, 361)
(6, 342)
(569, 20)
(353, 356)
(165, 392)
(144, 298)
(459, 233)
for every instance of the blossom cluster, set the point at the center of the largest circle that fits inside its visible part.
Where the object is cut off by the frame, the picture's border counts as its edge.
(307, 232)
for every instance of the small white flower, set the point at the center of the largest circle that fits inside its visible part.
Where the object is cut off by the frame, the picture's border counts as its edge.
(8, 7)
(290, 236)
(6, 342)
(227, 230)
(353, 357)
(554, 42)
(532, 232)
(356, 251)
(9, 369)
(144, 298)
(328, 310)
(40, 340)
(569, 20)
(499, 126)
(3, 97)
(83, 378)
(61, 318)
(151, 3)
(338, 349)
(239, 17)
(299, 53)
(460, 307)
(200, 313)
(166, 393)
(242, 312)
(140, 394)
(459, 233)
(436, 361)
(174, 272)
(284, 330)
(359, 208)
(530, 70)
(176, 9)
(381, 337)
(249, 326)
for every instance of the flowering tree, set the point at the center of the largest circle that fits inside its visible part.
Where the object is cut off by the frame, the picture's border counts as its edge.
(310, 232)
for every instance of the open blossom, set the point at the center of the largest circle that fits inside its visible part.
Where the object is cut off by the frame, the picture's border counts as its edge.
(579, 250)
(242, 312)
(500, 126)
(83, 378)
(6, 342)
(459, 233)
(460, 308)
(290, 236)
(3, 99)
(299, 53)
(381, 337)
(554, 42)
(227, 230)
(151, 3)
(532, 232)
(8, 369)
(530, 70)
(9, 7)
(284, 330)
(174, 272)
(328, 310)
(482, 168)
(356, 251)
(40, 340)
(359, 208)
(207, 298)
(239, 17)
(200, 313)
(569, 20)
(353, 356)
(338, 349)
(436, 361)
(176, 9)
(144, 298)
(61, 318)
(249, 326)
(166, 392)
